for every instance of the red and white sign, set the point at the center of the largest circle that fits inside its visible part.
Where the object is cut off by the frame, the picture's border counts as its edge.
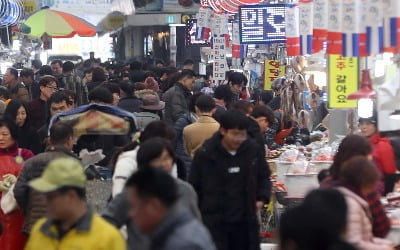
(335, 20)
(320, 25)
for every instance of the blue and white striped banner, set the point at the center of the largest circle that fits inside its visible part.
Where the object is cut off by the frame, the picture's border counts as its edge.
(306, 14)
(374, 23)
(391, 25)
(351, 27)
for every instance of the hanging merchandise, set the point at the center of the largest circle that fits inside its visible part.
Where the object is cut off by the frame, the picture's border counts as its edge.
(343, 80)
(351, 27)
(306, 15)
(219, 45)
(335, 20)
(320, 25)
(203, 24)
(219, 23)
(238, 50)
(374, 23)
(391, 26)
(292, 30)
(193, 35)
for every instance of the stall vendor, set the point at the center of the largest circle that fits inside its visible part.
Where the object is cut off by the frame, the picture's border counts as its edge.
(382, 153)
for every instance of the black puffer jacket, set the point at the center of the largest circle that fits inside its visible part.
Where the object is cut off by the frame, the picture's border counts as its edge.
(176, 102)
(31, 202)
(229, 185)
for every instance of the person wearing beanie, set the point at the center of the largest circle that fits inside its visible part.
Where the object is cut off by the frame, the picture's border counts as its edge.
(152, 84)
(382, 153)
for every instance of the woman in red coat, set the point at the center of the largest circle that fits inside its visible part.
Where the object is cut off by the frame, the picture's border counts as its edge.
(12, 159)
(382, 151)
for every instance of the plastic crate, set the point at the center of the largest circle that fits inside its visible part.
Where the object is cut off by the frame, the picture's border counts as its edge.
(281, 169)
(320, 165)
(298, 185)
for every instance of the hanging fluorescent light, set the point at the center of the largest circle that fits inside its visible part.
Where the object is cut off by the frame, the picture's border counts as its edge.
(365, 107)
(364, 96)
(395, 115)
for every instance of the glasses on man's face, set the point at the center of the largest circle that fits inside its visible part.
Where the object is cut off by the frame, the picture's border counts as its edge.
(52, 88)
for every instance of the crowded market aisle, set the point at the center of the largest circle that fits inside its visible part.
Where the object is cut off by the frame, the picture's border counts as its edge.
(276, 131)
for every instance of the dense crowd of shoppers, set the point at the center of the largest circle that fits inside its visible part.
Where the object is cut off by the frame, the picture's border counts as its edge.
(191, 173)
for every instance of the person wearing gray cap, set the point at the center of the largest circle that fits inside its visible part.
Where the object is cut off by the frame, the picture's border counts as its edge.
(151, 110)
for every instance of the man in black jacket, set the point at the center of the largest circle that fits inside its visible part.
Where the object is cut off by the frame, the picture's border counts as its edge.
(176, 98)
(32, 203)
(231, 178)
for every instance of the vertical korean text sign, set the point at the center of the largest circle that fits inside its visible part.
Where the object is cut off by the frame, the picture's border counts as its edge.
(272, 70)
(343, 78)
(219, 65)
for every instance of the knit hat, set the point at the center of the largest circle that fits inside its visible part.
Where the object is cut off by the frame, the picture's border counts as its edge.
(152, 102)
(152, 84)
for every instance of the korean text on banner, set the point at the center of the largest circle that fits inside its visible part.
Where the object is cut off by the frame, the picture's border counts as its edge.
(292, 30)
(335, 20)
(306, 15)
(343, 80)
(374, 23)
(320, 24)
(352, 26)
(272, 70)
(220, 65)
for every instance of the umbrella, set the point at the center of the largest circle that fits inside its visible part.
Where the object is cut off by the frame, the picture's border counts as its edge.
(22, 28)
(58, 24)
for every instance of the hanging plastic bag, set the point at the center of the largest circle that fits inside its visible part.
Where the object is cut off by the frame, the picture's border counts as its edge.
(8, 202)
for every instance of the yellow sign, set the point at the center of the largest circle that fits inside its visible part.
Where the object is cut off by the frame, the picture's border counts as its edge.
(113, 22)
(343, 79)
(272, 70)
(116, 21)
(29, 7)
(185, 18)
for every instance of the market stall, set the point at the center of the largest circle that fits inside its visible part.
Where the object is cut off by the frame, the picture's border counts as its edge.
(329, 62)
